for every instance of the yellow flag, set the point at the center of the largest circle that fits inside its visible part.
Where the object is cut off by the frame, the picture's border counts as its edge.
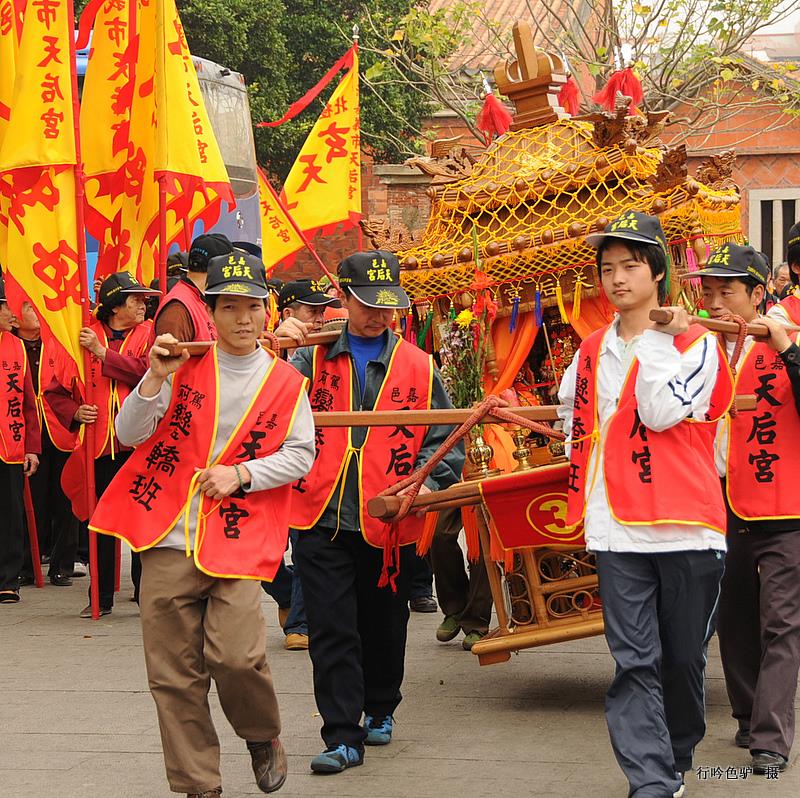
(10, 29)
(324, 185)
(278, 237)
(161, 131)
(37, 162)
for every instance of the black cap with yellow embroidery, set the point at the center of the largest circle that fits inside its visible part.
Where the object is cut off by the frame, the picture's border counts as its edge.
(237, 274)
(374, 279)
(306, 292)
(734, 260)
(632, 226)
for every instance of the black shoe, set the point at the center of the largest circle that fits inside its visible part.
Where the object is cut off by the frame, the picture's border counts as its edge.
(423, 604)
(765, 762)
(26, 579)
(60, 580)
(742, 738)
(86, 612)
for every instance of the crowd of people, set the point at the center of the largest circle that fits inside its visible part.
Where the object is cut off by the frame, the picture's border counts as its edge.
(203, 465)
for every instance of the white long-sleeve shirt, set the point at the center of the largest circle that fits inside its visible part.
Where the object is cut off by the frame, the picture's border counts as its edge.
(670, 387)
(239, 378)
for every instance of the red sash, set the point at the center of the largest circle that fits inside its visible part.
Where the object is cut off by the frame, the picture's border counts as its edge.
(791, 305)
(13, 370)
(389, 454)
(242, 536)
(648, 475)
(61, 437)
(763, 451)
(190, 297)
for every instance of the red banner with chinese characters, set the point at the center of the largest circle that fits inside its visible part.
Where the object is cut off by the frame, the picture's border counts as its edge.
(323, 188)
(142, 85)
(530, 508)
(37, 177)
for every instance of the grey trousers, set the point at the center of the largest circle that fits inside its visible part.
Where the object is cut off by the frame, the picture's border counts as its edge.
(759, 634)
(659, 616)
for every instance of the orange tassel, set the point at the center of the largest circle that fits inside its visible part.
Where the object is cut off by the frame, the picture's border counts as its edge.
(428, 531)
(496, 550)
(471, 533)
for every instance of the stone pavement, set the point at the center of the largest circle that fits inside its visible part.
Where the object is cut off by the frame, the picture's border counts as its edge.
(77, 718)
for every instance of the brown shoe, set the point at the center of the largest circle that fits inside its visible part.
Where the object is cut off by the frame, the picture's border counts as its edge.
(296, 642)
(269, 764)
(283, 616)
(207, 794)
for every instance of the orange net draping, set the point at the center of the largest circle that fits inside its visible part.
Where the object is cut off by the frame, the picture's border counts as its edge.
(532, 196)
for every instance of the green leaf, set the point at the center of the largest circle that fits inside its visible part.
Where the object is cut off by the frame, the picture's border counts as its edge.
(375, 72)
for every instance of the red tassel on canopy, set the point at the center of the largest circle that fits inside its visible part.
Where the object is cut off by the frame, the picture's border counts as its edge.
(626, 83)
(569, 97)
(494, 118)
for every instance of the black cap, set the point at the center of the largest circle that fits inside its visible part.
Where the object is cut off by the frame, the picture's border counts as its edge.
(247, 246)
(734, 260)
(794, 235)
(115, 286)
(274, 284)
(632, 226)
(237, 274)
(206, 247)
(307, 292)
(374, 279)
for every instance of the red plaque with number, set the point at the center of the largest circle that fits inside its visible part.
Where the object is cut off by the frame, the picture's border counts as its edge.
(530, 508)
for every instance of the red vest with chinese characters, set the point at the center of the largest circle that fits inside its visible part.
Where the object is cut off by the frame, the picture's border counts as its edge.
(61, 437)
(13, 370)
(791, 304)
(651, 477)
(240, 537)
(763, 446)
(191, 299)
(388, 455)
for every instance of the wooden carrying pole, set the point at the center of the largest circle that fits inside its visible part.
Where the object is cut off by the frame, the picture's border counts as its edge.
(757, 330)
(423, 418)
(199, 348)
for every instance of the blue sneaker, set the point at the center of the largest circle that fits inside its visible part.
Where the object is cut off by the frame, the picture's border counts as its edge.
(335, 760)
(379, 730)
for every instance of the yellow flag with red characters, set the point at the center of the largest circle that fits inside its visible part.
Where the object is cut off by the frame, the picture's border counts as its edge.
(144, 87)
(37, 162)
(323, 188)
(278, 236)
(10, 30)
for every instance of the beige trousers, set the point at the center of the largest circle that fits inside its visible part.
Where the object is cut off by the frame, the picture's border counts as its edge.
(195, 628)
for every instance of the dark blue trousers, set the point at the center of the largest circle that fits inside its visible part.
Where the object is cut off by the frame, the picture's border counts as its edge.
(659, 612)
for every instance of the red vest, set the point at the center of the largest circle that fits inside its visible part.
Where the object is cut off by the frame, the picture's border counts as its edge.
(389, 454)
(791, 304)
(190, 297)
(242, 536)
(61, 437)
(651, 477)
(764, 445)
(13, 370)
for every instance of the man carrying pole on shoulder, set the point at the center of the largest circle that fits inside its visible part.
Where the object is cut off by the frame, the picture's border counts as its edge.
(354, 569)
(638, 402)
(205, 498)
(787, 311)
(759, 458)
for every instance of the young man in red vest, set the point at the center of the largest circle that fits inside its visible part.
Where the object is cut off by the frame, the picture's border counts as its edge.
(118, 339)
(354, 570)
(20, 446)
(56, 526)
(205, 498)
(638, 402)
(787, 311)
(759, 457)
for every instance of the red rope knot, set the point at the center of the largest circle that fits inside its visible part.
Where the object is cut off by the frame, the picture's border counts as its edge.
(274, 342)
(733, 360)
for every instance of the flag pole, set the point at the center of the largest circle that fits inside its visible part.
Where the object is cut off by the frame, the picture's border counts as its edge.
(83, 275)
(162, 234)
